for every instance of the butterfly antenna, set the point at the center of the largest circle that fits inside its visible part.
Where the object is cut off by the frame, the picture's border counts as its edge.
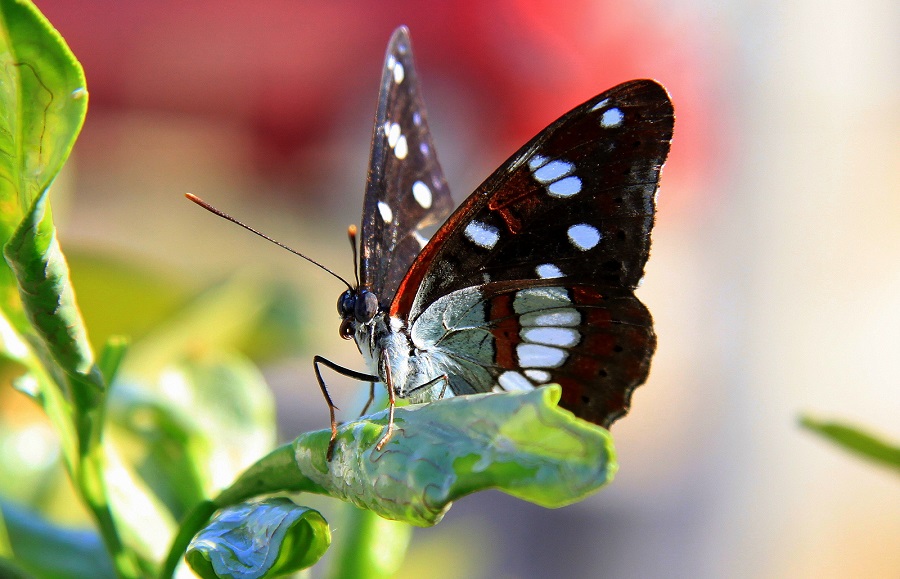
(224, 215)
(351, 233)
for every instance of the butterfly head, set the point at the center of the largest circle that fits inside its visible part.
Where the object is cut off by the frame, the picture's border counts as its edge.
(356, 306)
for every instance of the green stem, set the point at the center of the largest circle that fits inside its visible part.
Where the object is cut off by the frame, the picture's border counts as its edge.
(370, 547)
(192, 523)
(91, 483)
(6, 551)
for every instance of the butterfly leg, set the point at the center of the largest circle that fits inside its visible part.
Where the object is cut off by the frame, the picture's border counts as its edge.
(389, 382)
(442, 378)
(370, 400)
(331, 407)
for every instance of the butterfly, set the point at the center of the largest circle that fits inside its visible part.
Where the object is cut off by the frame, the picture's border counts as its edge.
(531, 280)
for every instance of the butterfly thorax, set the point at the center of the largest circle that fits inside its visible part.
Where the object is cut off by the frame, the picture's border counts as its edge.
(382, 340)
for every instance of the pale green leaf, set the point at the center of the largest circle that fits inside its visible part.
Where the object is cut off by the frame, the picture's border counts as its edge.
(47, 296)
(43, 102)
(262, 539)
(194, 429)
(520, 443)
(856, 440)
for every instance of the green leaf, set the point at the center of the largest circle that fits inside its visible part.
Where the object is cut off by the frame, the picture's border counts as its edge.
(264, 539)
(190, 433)
(49, 301)
(520, 443)
(111, 357)
(43, 102)
(855, 440)
(47, 550)
(9, 570)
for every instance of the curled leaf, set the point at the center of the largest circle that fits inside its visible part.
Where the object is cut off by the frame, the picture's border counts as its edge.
(40, 268)
(521, 443)
(43, 102)
(263, 539)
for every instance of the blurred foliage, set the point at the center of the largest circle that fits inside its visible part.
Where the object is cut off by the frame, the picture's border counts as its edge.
(255, 313)
(855, 440)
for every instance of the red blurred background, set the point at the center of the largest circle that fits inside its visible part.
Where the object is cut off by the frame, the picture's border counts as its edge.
(286, 74)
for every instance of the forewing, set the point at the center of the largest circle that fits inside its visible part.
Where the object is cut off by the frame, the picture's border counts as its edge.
(575, 204)
(406, 190)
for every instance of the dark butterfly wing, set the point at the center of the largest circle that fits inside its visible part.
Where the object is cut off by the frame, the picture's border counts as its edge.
(406, 190)
(596, 343)
(563, 227)
(577, 203)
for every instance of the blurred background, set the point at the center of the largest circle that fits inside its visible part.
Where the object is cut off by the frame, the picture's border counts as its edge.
(774, 278)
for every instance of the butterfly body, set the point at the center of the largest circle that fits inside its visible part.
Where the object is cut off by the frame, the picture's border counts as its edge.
(531, 279)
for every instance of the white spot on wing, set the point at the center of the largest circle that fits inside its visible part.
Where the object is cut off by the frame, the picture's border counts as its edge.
(565, 187)
(531, 355)
(399, 73)
(584, 236)
(539, 298)
(422, 194)
(557, 318)
(551, 336)
(600, 105)
(536, 161)
(401, 150)
(514, 381)
(548, 271)
(393, 134)
(539, 376)
(386, 214)
(417, 118)
(553, 171)
(482, 234)
(611, 118)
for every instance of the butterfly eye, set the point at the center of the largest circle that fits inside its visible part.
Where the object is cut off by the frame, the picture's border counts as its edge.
(366, 307)
(346, 304)
(347, 328)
